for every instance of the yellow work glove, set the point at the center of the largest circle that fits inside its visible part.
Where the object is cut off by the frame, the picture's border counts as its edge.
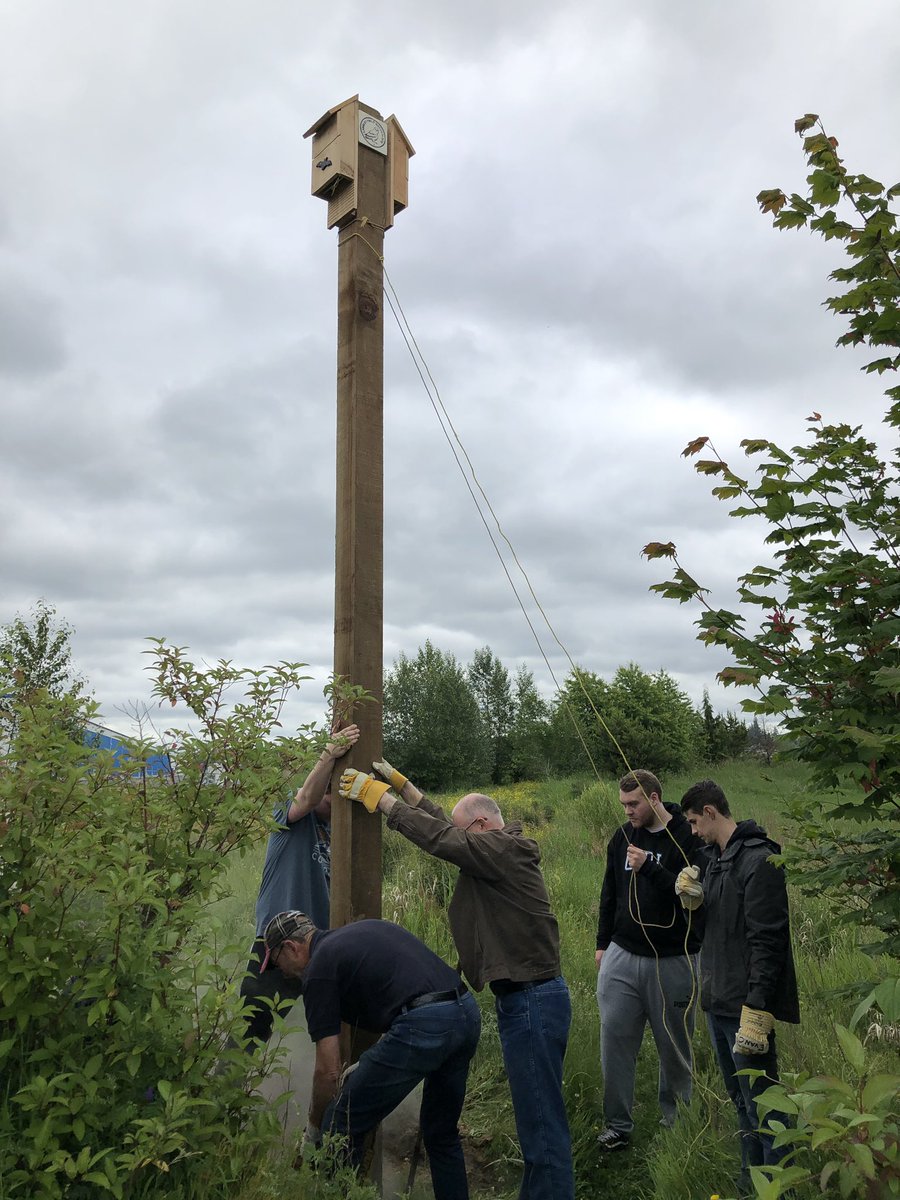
(688, 889)
(752, 1036)
(355, 785)
(391, 774)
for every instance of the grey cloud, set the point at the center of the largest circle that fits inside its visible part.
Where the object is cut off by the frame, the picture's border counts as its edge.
(32, 342)
(582, 262)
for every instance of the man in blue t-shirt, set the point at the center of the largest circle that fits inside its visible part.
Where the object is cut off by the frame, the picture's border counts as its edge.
(376, 976)
(296, 875)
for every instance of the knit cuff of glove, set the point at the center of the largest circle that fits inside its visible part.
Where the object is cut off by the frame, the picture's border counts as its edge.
(753, 1033)
(372, 793)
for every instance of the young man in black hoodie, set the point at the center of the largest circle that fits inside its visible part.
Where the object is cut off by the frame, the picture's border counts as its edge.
(646, 948)
(747, 967)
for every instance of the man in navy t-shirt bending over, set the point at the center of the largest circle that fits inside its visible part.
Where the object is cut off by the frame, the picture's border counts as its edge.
(376, 976)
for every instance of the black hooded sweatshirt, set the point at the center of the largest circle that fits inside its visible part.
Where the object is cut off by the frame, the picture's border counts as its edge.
(746, 957)
(639, 910)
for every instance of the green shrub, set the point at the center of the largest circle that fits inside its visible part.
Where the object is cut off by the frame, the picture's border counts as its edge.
(840, 1134)
(115, 1005)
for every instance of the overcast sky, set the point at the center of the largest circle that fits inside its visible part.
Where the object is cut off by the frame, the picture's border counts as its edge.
(582, 262)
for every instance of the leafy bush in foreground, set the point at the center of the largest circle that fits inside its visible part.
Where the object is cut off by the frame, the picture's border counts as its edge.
(114, 1008)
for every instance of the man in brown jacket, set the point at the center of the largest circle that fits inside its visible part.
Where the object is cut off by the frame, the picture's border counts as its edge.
(507, 937)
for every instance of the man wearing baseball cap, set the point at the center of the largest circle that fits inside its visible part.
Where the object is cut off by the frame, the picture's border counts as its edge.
(376, 976)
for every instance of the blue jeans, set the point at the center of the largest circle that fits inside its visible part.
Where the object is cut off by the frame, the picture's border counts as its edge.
(756, 1142)
(435, 1043)
(534, 1029)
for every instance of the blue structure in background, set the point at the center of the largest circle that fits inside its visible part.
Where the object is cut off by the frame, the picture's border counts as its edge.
(100, 738)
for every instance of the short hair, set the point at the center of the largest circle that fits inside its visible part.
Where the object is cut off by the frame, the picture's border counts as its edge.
(707, 791)
(482, 806)
(645, 780)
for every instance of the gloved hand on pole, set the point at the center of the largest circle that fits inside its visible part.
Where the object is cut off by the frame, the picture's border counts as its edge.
(355, 785)
(391, 774)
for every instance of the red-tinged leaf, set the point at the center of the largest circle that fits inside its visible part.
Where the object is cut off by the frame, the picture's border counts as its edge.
(772, 201)
(815, 417)
(694, 447)
(739, 676)
(659, 550)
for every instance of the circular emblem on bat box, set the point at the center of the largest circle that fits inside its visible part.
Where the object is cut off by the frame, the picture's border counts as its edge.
(373, 133)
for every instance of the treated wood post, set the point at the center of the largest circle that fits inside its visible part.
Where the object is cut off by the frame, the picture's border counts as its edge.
(358, 590)
(360, 166)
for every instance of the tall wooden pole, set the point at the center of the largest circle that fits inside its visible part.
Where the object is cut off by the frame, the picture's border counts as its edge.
(360, 166)
(358, 619)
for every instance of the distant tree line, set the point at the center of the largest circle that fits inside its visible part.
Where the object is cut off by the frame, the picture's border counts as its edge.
(447, 722)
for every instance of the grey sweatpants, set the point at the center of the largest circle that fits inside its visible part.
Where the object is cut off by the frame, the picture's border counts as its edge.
(633, 989)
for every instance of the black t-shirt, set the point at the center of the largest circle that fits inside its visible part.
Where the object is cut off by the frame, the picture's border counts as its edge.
(364, 973)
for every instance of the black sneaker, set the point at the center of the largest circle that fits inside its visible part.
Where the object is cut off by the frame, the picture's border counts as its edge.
(610, 1139)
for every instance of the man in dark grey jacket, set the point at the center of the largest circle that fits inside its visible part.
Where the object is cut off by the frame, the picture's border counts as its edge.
(746, 964)
(507, 937)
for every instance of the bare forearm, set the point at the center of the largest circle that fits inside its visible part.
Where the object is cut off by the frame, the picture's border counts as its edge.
(323, 1092)
(314, 788)
(326, 1074)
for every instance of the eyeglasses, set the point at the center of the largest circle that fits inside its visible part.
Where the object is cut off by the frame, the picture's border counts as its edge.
(475, 822)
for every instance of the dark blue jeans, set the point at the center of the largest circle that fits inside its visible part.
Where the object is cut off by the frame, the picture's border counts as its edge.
(534, 1029)
(756, 1142)
(434, 1043)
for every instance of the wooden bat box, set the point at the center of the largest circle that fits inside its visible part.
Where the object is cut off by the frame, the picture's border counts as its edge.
(337, 138)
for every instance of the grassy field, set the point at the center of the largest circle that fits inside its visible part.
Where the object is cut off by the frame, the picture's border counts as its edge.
(573, 819)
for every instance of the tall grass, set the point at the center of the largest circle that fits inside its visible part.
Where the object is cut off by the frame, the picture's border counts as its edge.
(572, 820)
